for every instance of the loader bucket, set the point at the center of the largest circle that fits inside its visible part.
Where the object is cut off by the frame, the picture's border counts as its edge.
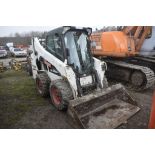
(104, 109)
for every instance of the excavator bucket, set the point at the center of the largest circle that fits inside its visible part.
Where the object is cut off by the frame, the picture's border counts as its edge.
(103, 109)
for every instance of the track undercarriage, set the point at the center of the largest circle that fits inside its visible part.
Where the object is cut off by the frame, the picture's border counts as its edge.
(134, 76)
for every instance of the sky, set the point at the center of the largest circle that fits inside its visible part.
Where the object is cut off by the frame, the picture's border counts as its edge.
(7, 30)
(10, 30)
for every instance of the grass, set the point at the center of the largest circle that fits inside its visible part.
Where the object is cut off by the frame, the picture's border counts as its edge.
(18, 95)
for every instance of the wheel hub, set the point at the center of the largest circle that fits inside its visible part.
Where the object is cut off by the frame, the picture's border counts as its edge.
(56, 95)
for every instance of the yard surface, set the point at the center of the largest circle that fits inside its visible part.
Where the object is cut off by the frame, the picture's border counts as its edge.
(22, 107)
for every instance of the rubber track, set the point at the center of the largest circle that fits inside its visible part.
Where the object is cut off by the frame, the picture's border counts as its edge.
(149, 74)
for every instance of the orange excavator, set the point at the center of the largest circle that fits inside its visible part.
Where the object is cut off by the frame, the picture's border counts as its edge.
(120, 49)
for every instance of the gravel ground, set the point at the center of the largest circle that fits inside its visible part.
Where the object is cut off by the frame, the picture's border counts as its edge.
(22, 107)
(141, 119)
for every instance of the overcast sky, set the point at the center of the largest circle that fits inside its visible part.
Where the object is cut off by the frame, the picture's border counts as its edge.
(7, 30)
(11, 30)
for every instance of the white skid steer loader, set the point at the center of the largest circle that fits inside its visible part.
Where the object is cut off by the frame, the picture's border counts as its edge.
(63, 67)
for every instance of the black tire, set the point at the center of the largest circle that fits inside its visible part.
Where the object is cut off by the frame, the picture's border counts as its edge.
(64, 93)
(29, 69)
(42, 83)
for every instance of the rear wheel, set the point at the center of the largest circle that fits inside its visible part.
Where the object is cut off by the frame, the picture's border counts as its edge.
(60, 93)
(42, 83)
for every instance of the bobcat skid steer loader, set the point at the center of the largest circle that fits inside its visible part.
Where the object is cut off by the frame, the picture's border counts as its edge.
(63, 67)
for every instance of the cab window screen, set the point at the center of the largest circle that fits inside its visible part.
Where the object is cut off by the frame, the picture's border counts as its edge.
(54, 46)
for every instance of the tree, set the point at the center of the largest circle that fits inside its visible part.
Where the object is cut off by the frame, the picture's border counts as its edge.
(17, 34)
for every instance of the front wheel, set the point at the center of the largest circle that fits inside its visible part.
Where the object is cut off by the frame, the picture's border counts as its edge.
(60, 93)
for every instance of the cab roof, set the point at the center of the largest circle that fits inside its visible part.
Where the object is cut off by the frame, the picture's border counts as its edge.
(63, 29)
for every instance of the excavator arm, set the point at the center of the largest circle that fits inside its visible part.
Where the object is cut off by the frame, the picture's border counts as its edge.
(138, 33)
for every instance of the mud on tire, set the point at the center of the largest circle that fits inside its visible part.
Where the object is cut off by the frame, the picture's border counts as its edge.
(60, 93)
(42, 83)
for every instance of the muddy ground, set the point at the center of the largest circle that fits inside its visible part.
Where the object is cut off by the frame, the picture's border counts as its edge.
(22, 107)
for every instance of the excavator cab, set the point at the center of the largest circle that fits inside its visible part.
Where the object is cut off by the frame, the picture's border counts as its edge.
(123, 43)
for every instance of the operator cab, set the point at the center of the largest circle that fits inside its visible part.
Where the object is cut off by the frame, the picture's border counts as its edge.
(71, 44)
